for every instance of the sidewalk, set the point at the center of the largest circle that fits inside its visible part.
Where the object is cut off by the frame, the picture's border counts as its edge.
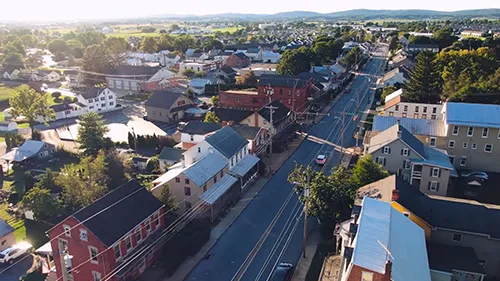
(303, 265)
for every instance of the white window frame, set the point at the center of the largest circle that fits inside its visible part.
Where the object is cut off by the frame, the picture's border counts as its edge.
(465, 145)
(96, 261)
(485, 130)
(86, 234)
(434, 185)
(406, 152)
(96, 276)
(67, 230)
(117, 246)
(455, 132)
(491, 148)
(473, 146)
(469, 132)
(431, 140)
(366, 276)
(386, 150)
(463, 161)
(453, 237)
(407, 164)
(138, 231)
(380, 160)
(131, 246)
(451, 144)
(435, 172)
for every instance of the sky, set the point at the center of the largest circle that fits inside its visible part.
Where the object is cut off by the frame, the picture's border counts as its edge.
(37, 10)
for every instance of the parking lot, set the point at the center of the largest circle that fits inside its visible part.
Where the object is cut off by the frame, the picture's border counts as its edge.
(487, 192)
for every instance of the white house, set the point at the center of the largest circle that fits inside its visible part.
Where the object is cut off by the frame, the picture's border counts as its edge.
(191, 65)
(195, 132)
(52, 77)
(169, 59)
(271, 57)
(255, 54)
(11, 74)
(393, 77)
(98, 99)
(397, 107)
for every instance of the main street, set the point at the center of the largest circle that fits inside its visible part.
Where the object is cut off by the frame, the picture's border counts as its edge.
(263, 235)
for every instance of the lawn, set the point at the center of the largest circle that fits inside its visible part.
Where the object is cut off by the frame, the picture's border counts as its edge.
(6, 93)
(126, 35)
(229, 29)
(17, 224)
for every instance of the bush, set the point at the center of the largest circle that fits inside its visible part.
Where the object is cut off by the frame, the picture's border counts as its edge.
(56, 95)
(67, 100)
(188, 72)
(13, 140)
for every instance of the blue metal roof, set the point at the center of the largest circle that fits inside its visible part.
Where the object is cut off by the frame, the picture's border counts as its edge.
(245, 164)
(227, 141)
(218, 189)
(424, 127)
(205, 169)
(473, 114)
(434, 157)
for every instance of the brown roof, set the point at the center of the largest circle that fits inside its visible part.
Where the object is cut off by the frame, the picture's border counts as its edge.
(380, 190)
(392, 102)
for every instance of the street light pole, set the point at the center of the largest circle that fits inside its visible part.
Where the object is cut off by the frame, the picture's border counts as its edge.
(306, 213)
(271, 108)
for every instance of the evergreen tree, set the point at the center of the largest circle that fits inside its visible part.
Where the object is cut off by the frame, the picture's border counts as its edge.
(424, 84)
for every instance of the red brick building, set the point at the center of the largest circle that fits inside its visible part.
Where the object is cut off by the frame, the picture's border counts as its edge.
(238, 60)
(101, 239)
(279, 87)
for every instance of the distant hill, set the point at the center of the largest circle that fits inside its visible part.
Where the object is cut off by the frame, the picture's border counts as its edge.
(359, 14)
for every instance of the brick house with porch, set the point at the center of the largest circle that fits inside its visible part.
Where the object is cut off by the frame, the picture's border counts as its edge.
(104, 236)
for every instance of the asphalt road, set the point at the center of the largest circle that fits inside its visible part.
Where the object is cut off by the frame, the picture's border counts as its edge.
(16, 270)
(274, 203)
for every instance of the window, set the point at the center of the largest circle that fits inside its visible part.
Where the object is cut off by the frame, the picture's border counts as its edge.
(424, 116)
(188, 205)
(237, 98)
(160, 113)
(111, 103)
(391, 113)
(380, 161)
(215, 179)
(407, 164)
(473, 146)
(138, 234)
(91, 107)
(434, 186)
(103, 104)
(456, 237)
(425, 109)
(396, 108)
(366, 276)
(435, 172)
(488, 148)
(103, 98)
(110, 97)
(97, 275)
(156, 220)
(83, 235)
(199, 149)
(416, 108)
(191, 137)
(187, 191)
(67, 230)
(451, 144)
(404, 115)
(434, 109)
(465, 145)
(415, 115)
(186, 181)
(96, 99)
(177, 180)
(405, 152)
(433, 117)
(485, 133)
(148, 227)
(470, 131)
(93, 254)
(128, 243)
(432, 142)
(463, 161)
(406, 214)
(204, 188)
(387, 150)
(455, 130)
(405, 108)
(116, 249)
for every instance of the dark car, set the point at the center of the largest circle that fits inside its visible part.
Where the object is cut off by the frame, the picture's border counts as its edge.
(283, 272)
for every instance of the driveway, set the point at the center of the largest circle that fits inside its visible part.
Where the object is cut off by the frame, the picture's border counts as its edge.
(16, 270)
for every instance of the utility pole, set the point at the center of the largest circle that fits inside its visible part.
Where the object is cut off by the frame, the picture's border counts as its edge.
(293, 99)
(270, 92)
(306, 213)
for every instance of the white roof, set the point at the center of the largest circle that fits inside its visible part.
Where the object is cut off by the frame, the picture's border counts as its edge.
(393, 95)
(384, 233)
(27, 150)
(173, 171)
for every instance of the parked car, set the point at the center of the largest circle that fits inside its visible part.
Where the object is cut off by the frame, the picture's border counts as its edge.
(482, 176)
(283, 272)
(10, 254)
(321, 159)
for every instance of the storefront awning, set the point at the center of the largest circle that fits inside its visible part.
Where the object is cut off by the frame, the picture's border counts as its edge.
(217, 190)
(245, 164)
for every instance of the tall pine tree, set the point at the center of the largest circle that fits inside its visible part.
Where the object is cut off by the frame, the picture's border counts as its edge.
(424, 84)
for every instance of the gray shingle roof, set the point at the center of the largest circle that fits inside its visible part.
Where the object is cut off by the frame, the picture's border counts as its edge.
(235, 115)
(5, 228)
(118, 212)
(422, 127)
(93, 92)
(473, 114)
(227, 141)
(447, 258)
(246, 131)
(170, 153)
(241, 55)
(282, 81)
(205, 169)
(200, 128)
(279, 114)
(392, 134)
(163, 99)
(133, 70)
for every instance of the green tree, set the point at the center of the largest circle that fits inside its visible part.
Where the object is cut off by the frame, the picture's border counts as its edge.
(215, 100)
(75, 48)
(58, 46)
(166, 198)
(31, 105)
(85, 182)
(149, 45)
(153, 165)
(42, 203)
(366, 171)
(210, 117)
(352, 57)
(96, 59)
(118, 168)
(387, 91)
(444, 37)
(188, 72)
(91, 133)
(394, 43)
(424, 84)
(200, 74)
(90, 38)
(47, 180)
(116, 45)
(294, 62)
(248, 78)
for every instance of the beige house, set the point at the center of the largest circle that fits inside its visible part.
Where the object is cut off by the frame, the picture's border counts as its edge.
(400, 152)
(473, 133)
(165, 106)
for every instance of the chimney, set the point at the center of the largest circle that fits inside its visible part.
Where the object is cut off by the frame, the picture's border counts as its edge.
(395, 195)
(388, 271)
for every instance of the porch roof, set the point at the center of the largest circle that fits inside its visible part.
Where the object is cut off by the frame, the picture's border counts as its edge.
(217, 190)
(242, 167)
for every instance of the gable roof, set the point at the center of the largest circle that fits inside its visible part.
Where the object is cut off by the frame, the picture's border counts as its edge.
(393, 95)
(253, 50)
(228, 70)
(246, 131)
(170, 153)
(279, 113)
(240, 55)
(235, 115)
(200, 128)
(287, 81)
(379, 223)
(93, 92)
(393, 133)
(133, 70)
(5, 228)
(163, 99)
(227, 141)
(205, 169)
(27, 150)
(472, 114)
(130, 202)
(447, 258)
(424, 127)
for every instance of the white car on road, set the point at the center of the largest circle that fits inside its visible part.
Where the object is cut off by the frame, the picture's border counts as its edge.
(321, 159)
(10, 254)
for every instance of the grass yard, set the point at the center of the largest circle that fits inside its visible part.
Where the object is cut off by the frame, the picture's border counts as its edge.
(17, 224)
(126, 35)
(6, 93)
(229, 29)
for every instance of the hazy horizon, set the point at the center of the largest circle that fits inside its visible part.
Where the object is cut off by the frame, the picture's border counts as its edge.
(59, 10)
